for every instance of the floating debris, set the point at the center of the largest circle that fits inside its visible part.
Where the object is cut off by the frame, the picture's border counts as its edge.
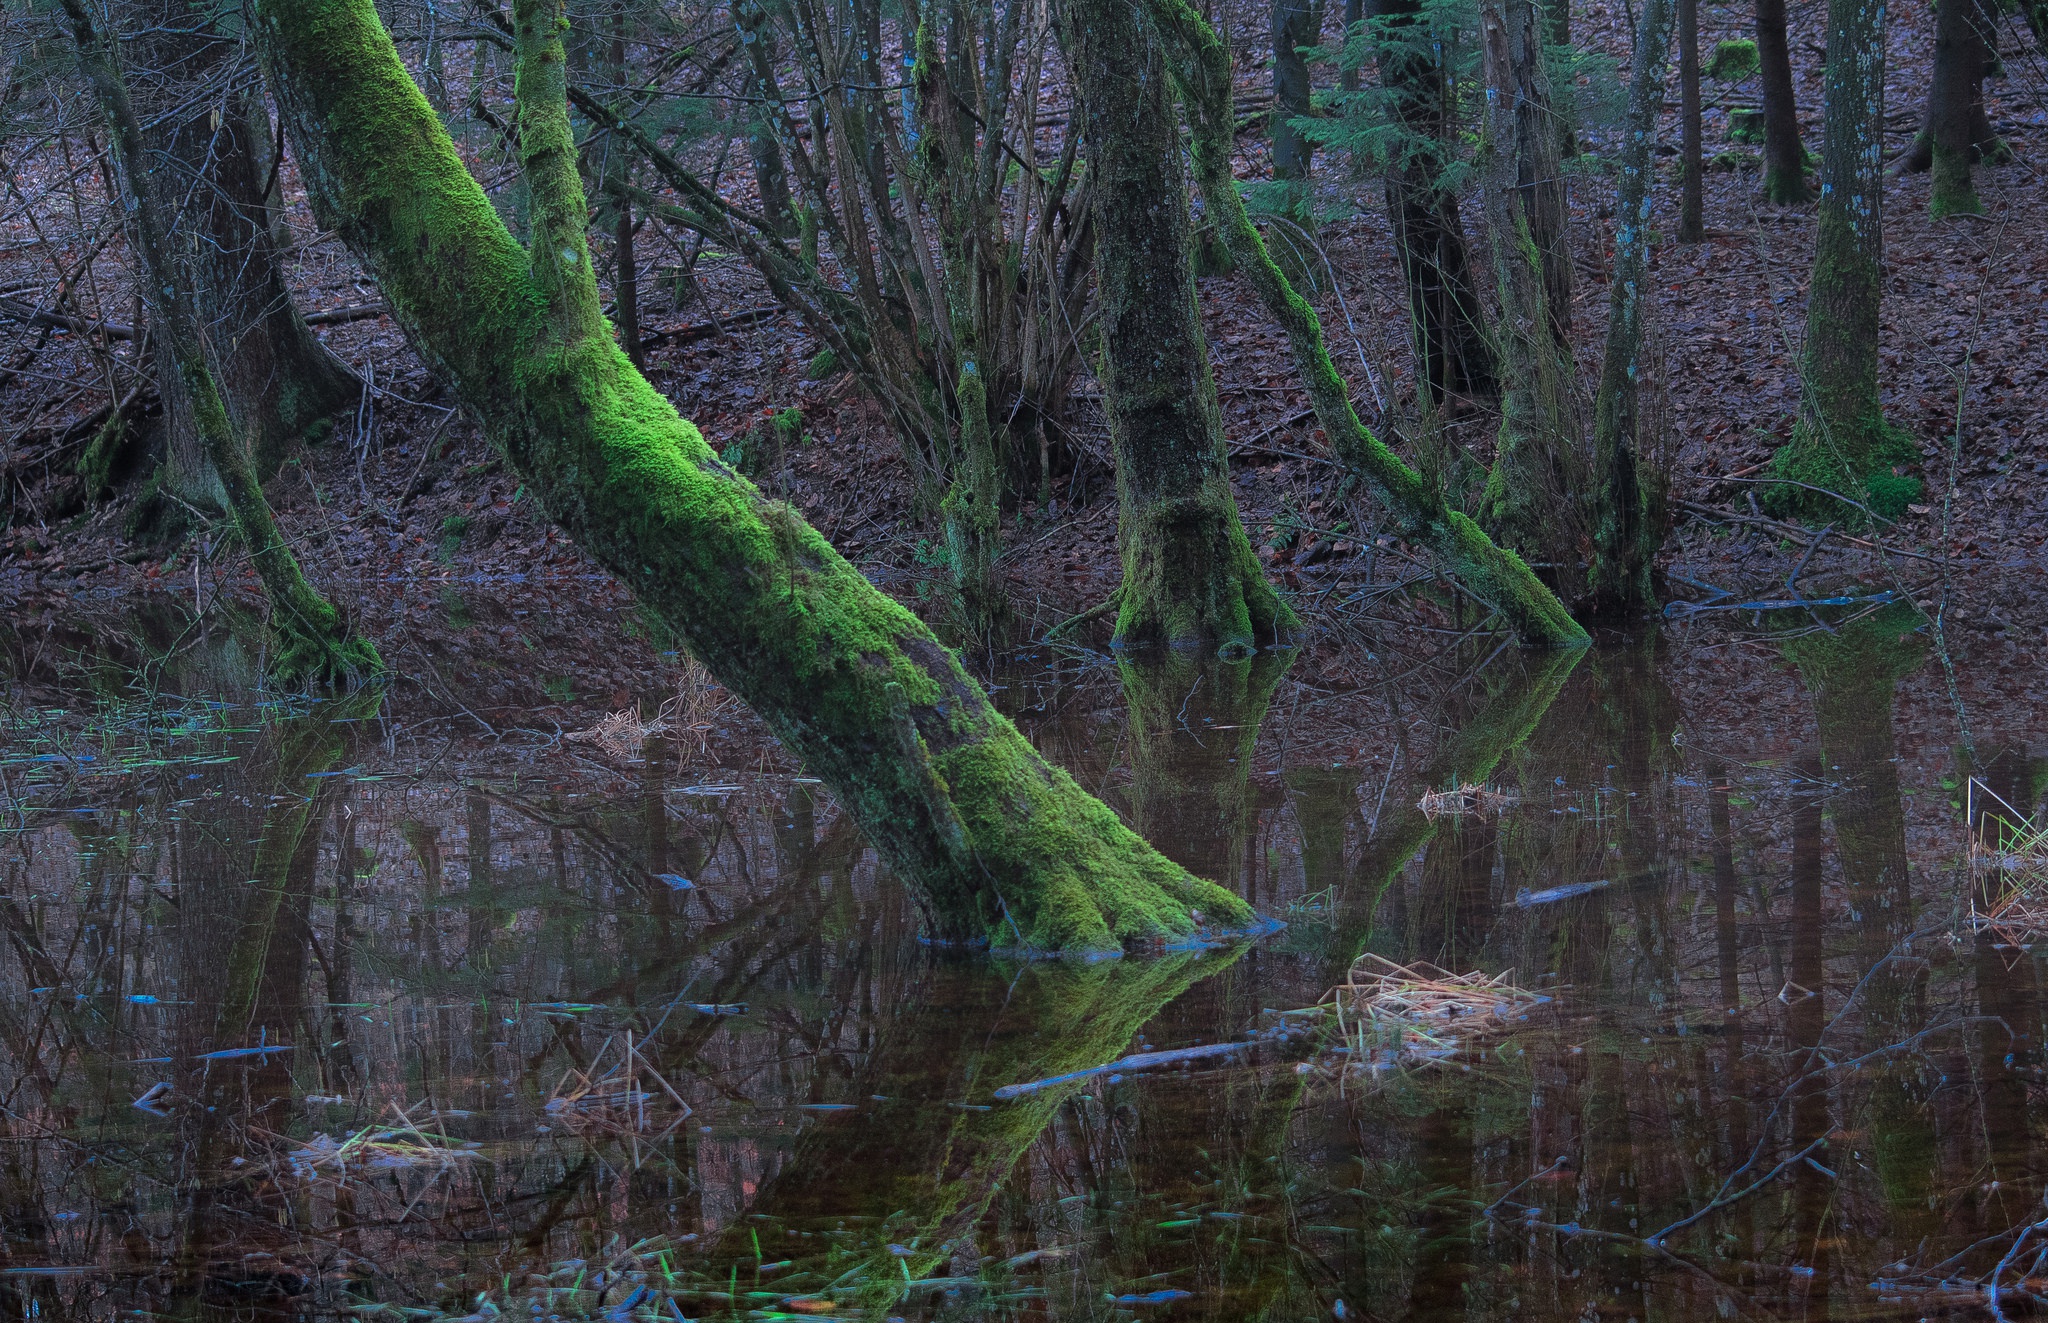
(1390, 1014)
(1138, 1061)
(400, 1145)
(1464, 799)
(2008, 867)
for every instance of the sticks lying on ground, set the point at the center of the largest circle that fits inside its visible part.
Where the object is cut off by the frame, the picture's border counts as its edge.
(1793, 532)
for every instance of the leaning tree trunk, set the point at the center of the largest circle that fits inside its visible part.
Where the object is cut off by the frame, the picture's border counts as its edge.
(1190, 577)
(313, 641)
(999, 844)
(1625, 535)
(281, 384)
(1201, 68)
(1784, 154)
(1292, 153)
(1956, 130)
(1842, 447)
(1453, 355)
(1530, 494)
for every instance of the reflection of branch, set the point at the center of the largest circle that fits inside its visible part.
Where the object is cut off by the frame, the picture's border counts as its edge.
(1657, 1237)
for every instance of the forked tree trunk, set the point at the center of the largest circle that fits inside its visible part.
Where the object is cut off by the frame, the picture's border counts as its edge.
(1201, 68)
(999, 844)
(313, 641)
(1190, 577)
(281, 384)
(1625, 532)
(1784, 153)
(1842, 447)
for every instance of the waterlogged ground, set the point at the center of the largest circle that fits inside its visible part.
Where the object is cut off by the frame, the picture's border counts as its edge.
(317, 1011)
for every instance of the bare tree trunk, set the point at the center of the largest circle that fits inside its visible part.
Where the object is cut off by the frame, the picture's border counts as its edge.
(1625, 531)
(626, 280)
(313, 640)
(1692, 225)
(1784, 154)
(1956, 131)
(1842, 443)
(764, 149)
(1531, 492)
(281, 384)
(1292, 153)
(1453, 352)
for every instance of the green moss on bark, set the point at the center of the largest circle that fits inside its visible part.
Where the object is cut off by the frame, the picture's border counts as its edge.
(999, 845)
(1954, 194)
(1190, 576)
(1842, 446)
(1201, 68)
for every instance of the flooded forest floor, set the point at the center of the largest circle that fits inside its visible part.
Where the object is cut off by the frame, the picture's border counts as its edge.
(450, 1002)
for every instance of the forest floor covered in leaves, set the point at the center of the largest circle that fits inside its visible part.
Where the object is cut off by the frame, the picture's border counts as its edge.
(410, 521)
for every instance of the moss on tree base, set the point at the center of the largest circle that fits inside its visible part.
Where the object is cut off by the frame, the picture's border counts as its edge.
(1817, 473)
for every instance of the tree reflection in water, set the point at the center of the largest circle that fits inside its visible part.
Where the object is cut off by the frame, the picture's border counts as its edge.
(1774, 1078)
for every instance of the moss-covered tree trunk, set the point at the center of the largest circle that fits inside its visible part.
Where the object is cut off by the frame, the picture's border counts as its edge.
(281, 384)
(1842, 446)
(1453, 351)
(1625, 531)
(1956, 131)
(999, 844)
(1784, 153)
(1190, 577)
(1201, 67)
(1531, 495)
(313, 642)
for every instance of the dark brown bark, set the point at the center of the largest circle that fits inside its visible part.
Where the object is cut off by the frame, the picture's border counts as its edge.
(1955, 130)
(1532, 493)
(626, 282)
(1292, 153)
(1692, 200)
(1784, 154)
(205, 119)
(1453, 354)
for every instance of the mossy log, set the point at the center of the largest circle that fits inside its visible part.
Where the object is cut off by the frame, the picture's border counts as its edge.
(1200, 66)
(999, 844)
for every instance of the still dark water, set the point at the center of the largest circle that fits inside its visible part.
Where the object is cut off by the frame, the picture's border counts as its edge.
(295, 1024)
